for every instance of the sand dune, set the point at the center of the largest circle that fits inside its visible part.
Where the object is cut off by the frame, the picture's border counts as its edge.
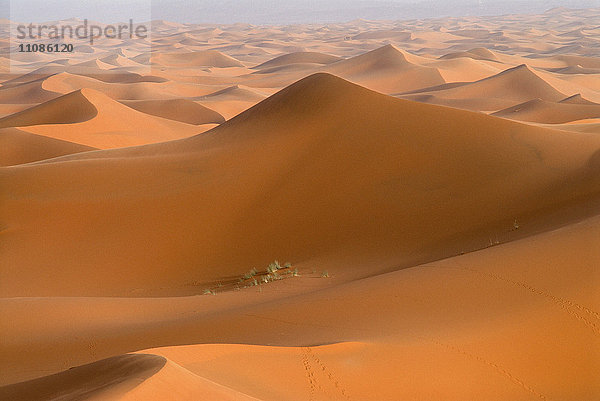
(71, 108)
(90, 118)
(347, 143)
(518, 84)
(386, 70)
(123, 378)
(27, 93)
(479, 53)
(436, 253)
(577, 99)
(95, 381)
(183, 110)
(465, 69)
(231, 101)
(542, 111)
(206, 58)
(18, 147)
(96, 64)
(140, 90)
(8, 109)
(516, 303)
(299, 58)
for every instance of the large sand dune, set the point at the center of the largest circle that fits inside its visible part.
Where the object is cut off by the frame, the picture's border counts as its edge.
(517, 84)
(386, 70)
(411, 173)
(442, 240)
(518, 308)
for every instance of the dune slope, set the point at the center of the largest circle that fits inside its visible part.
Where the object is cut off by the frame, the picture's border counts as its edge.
(91, 118)
(542, 111)
(71, 108)
(183, 110)
(374, 173)
(386, 70)
(518, 308)
(18, 147)
(500, 91)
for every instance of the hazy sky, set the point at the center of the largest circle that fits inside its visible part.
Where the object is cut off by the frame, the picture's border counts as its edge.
(270, 11)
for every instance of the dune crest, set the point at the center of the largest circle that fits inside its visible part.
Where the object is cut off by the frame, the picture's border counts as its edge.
(387, 70)
(299, 58)
(74, 107)
(542, 111)
(89, 117)
(182, 110)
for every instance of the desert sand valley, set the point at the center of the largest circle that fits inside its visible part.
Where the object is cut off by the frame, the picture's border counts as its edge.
(430, 190)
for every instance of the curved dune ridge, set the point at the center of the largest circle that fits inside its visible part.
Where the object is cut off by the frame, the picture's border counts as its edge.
(465, 69)
(124, 378)
(205, 58)
(493, 93)
(183, 110)
(577, 99)
(479, 53)
(18, 147)
(96, 64)
(89, 382)
(395, 162)
(74, 107)
(386, 70)
(543, 111)
(27, 93)
(89, 117)
(299, 58)
(121, 88)
(232, 100)
(236, 92)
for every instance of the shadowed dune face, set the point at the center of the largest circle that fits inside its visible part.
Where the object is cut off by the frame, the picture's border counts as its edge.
(517, 84)
(88, 382)
(182, 110)
(442, 240)
(19, 147)
(72, 108)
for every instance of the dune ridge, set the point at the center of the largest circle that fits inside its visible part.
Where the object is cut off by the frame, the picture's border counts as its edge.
(18, 147)
(71, 108)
